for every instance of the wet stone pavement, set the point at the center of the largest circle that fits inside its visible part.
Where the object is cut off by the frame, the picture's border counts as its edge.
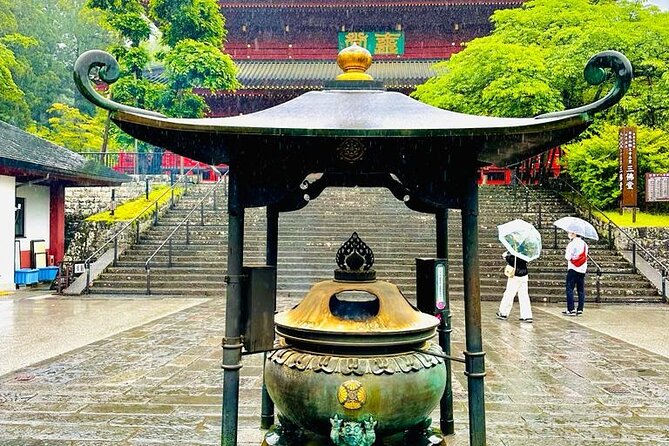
(554, 382)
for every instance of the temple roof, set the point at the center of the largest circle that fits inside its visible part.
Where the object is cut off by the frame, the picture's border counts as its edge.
(311, 74)
(351, 107)
(28, 157)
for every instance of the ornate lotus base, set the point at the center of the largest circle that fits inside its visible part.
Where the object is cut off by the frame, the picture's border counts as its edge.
(350, 433)
(354, 401)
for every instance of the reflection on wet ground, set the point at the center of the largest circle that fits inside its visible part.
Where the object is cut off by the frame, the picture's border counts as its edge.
(554, 382)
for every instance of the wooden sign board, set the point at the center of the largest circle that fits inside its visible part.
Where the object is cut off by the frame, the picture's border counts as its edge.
(657, 187)
(627, 173)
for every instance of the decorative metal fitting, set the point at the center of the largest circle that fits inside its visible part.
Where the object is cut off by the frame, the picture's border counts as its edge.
(355, 260)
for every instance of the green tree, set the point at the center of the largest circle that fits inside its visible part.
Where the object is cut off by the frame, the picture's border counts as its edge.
(71, 128)
(539, 51)
(60, 31)
(533, 63)
(193, 34)
(469, 83)
(593, 162)
(13, 106)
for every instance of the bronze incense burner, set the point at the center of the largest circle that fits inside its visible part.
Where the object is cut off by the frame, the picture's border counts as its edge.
(355, 361)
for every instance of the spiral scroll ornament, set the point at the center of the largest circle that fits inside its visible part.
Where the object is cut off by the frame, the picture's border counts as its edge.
(595, 74)
(108, 71)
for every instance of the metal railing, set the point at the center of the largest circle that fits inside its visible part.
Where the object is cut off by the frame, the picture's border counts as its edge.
(185, 221)
(135, 221)
(611, 226)
(150, 163)
(526, 195)
(598, 279)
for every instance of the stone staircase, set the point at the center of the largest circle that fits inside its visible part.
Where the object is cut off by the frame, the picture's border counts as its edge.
(309, 239)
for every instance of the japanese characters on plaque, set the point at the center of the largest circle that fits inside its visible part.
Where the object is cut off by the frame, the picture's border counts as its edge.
(627, 171)
(657, 187)
(377, 43)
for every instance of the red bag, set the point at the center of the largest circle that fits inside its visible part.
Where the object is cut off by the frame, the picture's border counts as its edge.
(580, 259)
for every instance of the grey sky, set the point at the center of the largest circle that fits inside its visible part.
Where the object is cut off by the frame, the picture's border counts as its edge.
(662, 4)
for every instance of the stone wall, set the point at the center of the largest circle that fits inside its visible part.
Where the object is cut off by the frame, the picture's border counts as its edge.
(85, 201)
(655, 240)
(82, 238)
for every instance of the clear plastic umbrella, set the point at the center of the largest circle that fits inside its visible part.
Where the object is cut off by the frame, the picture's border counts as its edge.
(521, 239)
(578, 226)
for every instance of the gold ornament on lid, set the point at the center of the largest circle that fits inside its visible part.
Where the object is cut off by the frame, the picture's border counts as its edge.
(354, 60)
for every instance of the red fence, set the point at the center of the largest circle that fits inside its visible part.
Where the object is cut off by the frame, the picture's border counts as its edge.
(154, 163)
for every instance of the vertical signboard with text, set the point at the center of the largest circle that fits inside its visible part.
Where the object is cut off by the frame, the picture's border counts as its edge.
(627, 169)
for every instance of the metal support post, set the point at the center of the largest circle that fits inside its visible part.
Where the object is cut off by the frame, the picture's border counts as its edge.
(554, 237)
(169, 254)
(155, 215)
(446, 421)
(527, 201)
(232, 346)
(474, 355)
(539, 219)
(112, 205)
(634, 257)
(610, 237)
(88, 278)
(146, 188)
(271, 259)
(115, 251)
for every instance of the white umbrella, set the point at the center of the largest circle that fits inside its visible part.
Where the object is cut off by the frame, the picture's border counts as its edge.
(521, 239)
(578, 226)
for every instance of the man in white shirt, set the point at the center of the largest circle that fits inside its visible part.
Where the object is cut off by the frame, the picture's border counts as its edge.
(576, 255)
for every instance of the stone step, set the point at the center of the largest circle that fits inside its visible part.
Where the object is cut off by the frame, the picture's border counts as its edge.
(536, 296)
(309, 238)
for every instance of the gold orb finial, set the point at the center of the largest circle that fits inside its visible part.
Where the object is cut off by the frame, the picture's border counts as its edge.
(354, 60)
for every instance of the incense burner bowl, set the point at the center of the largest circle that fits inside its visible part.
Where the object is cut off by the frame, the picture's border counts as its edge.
(354, 362)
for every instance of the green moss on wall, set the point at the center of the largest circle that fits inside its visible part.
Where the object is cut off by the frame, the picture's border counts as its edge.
(132, 208)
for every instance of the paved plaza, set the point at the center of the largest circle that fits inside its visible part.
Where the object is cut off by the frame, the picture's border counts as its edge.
(148, 372)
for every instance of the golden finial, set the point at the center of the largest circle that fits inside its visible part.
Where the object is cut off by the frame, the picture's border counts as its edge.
(354, 60)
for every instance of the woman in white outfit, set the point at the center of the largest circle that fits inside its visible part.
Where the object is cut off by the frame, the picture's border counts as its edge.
(516, 285)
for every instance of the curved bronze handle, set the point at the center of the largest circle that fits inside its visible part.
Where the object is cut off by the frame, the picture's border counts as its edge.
(594, 73)
(109, 72)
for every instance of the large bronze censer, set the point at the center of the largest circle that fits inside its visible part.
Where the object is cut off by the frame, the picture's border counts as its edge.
(355, 362)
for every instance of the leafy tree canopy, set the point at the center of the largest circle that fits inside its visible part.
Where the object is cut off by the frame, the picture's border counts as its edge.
(58, 31)
(199, 20)
(194, 33)
(539, 51)
(69, 127)
(593, 162)
(533, 63)
(13, 106)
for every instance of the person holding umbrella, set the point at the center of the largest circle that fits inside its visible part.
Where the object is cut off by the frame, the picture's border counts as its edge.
(523, 244)
(576, 255)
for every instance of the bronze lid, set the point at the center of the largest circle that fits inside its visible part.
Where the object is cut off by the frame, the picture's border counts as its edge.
(338, 315)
